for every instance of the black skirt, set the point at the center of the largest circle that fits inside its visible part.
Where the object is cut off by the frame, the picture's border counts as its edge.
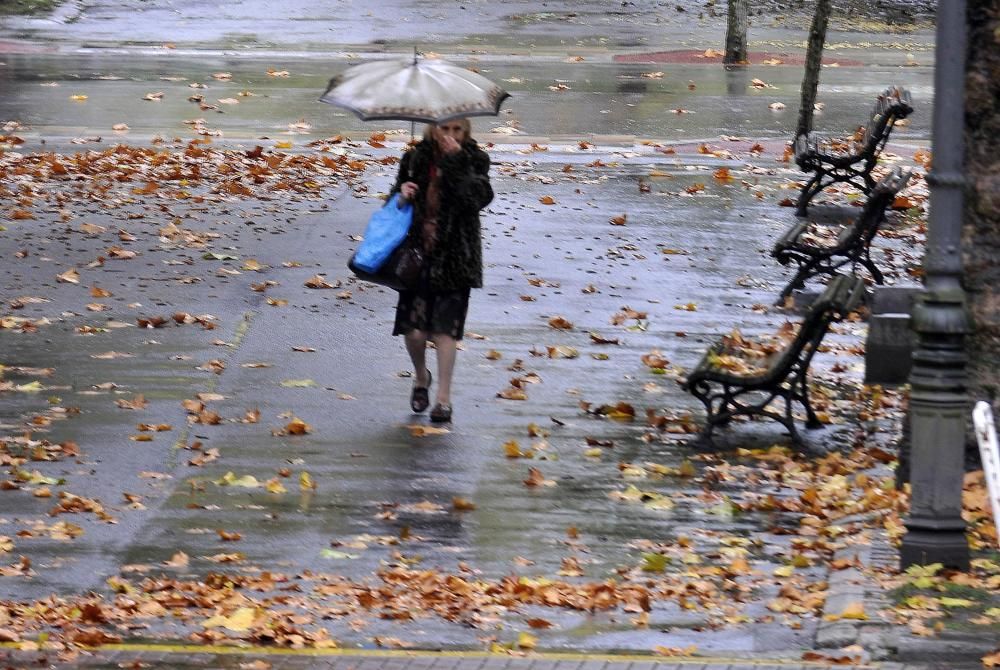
(434, 312)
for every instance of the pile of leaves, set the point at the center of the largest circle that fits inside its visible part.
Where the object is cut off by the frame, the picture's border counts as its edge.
(745, 356)
(193, 170)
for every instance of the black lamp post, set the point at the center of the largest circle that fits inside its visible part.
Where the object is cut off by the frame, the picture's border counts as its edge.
(935, 531)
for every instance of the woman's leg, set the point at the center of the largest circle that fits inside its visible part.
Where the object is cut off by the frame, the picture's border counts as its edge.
(447, 350)
(416, 346)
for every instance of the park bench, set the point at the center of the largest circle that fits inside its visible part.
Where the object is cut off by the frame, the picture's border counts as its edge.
(852, 160)
(815, 253)
(740, 376)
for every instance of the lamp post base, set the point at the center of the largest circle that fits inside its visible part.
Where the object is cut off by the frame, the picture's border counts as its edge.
(923, 546)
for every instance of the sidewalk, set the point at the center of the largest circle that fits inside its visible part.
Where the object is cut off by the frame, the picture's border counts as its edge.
(205, 416)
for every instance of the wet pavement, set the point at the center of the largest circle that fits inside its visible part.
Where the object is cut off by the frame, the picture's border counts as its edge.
(692, 255)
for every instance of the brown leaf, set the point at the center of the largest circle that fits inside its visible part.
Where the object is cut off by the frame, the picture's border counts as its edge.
(560, 323)
(539, 623)
(535, 479)
(317, 281)
(137, 402)
(462, 505)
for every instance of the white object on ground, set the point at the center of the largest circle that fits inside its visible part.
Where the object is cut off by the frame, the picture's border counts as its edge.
(986, 434)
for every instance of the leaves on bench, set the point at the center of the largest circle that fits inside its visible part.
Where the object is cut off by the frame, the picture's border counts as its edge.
(743, 356)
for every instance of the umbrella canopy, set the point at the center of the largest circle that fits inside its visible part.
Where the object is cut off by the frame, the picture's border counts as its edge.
(430, 91)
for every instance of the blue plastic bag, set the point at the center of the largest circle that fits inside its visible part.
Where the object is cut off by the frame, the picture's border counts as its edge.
(386, 230)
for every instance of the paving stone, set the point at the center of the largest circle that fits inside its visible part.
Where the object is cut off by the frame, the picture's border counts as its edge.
(837, 634)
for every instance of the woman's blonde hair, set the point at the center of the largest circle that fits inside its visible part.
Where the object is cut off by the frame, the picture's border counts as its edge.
(464, 122)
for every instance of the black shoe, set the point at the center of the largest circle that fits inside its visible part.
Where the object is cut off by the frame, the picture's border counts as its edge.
(441, 413)
(420, 397)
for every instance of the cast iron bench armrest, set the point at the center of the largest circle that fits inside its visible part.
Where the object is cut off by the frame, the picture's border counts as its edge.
(853, 243)
(853, 165)
(781, 374)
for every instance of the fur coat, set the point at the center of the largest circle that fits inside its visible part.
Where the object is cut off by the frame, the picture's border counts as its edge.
(456, 260)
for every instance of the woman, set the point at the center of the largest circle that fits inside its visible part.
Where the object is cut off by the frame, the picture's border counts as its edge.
(446, 177)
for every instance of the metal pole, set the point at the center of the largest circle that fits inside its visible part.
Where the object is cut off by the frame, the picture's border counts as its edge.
(935, 531)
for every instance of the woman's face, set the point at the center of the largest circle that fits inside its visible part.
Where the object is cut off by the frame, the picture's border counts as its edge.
(453, 129)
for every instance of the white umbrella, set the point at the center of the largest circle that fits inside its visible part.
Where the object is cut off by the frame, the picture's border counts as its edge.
(427, 90)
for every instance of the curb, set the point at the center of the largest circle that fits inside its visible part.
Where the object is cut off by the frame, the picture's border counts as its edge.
(129, 654)
(852, 587)
(881, 639)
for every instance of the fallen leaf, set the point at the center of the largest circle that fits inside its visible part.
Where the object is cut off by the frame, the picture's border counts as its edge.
(535, 479)
(462, 505)
(317, 281)
(178, 560)
(70, 276)
(560, 323)
(239, 621)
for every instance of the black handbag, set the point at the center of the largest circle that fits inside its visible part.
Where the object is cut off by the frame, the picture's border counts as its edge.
(400, 272)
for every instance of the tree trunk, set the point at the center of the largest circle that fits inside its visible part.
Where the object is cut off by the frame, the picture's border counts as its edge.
(736, 33)
(981, 225)
(814, 58)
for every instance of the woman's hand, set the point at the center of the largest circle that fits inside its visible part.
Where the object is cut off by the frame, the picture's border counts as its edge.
(408, 191)
(446, 143)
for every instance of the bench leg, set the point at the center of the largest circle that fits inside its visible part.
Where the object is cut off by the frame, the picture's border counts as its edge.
(804, 272)
(722, 406)
(800, 392)
(812, 187)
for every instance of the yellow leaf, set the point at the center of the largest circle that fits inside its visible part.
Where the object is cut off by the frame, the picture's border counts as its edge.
(526, 641)
(855, 610)
(512, 449)
(784, 571)
(230, 479)
(285, 144)
(956, 602)
(297, 427)
(306, 482)
(275, 486)
(739, 566)
(239, 621)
